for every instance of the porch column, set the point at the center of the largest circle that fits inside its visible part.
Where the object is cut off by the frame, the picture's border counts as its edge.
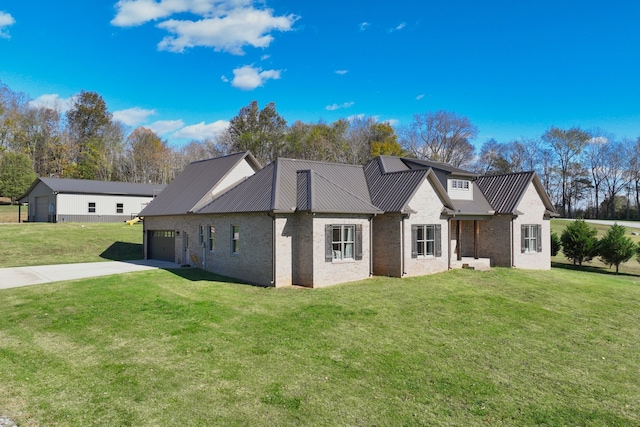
(476, 238)
(458, 238)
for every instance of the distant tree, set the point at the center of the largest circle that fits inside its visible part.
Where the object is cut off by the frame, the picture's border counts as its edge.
(16, 175)
(441, 136)
(579, 242)
(634, 172)
(88, 122)
(615, 247)
(148, 156)
(616, 174)
(492, 160)
(318, 141)
(260, 131)
(567, 146)
(384, 141)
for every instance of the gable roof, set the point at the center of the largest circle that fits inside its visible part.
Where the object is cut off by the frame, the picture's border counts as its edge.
(392, 184)
(505, 191)
(193, 188)
(288, 185)
(87, 186)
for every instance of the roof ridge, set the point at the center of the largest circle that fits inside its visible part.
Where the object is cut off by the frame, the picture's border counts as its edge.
(506, 174)
(320, 162)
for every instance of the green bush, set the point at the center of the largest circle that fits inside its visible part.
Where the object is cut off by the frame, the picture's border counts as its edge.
(615, 248)
(556, 244)
(579, 242)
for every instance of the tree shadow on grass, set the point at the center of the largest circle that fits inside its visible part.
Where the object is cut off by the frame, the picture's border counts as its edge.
(590, 269)
(123, 251)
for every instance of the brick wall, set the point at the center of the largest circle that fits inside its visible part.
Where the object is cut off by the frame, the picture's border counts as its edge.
(534, 211)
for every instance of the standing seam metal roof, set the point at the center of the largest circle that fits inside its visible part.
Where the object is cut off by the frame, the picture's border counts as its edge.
(194, 185)
(504, 191)
(277, 188)
(87, 186)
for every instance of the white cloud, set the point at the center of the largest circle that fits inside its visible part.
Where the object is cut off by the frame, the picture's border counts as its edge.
(392, 122)
(249, 78)
(6, 20)
(202, 130)
(419, 97)
(53, 101)
(398, 27)
(339, 106)
(364, 25)
(224, 79)
(163, 127)
(229, 33)
(133, 116)
(342, 72)
(225, 25)
(137, 12)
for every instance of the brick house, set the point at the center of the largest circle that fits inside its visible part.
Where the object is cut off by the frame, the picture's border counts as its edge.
(316, 224)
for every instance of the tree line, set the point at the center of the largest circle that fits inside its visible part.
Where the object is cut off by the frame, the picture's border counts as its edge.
(587, 173)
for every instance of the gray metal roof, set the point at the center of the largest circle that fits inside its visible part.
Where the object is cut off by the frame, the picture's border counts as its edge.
(505, 191)
(438, 166)
(86, 186)
(288, 185)
(391, 191)
(192, 188)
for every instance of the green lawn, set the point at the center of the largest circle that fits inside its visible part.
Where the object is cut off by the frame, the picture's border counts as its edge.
(40, 243)
(463, 348)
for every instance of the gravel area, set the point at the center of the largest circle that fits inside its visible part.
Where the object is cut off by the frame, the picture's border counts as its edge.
(6, 422)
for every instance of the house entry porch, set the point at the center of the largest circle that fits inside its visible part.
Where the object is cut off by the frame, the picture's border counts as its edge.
(465, 245)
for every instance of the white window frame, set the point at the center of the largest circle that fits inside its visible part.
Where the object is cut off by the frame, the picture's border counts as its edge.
(119, 208)
(344, 244)
(91, 207)
(530, 238)
(235, 239)
(211, 232)
(426, 244)
(460, 184)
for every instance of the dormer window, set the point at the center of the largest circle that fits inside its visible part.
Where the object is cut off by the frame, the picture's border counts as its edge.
(460, 184)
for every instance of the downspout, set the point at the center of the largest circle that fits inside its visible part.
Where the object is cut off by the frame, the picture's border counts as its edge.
(273, 249)
(512, 243)
(402, 251)
(449, 244)
(371, 246)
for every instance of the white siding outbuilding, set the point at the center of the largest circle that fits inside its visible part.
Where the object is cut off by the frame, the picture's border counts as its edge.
(76, 200)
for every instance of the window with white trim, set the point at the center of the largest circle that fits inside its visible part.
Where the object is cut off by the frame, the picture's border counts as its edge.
(211, 232)
(343, 242)
(92, 207)
(460, 184)
(531, 238)
(235, 239)
(426, 240)
(119, 207)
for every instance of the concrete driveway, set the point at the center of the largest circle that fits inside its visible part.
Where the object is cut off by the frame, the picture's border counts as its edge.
(37, 274)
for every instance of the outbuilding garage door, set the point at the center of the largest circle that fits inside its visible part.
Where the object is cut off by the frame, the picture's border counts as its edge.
(42, 209)
(162, 245)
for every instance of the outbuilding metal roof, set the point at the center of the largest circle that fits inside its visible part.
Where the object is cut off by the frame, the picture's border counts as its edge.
(192, 188)
(86, 186)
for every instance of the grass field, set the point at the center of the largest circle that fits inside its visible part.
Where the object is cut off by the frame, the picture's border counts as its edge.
(504, 347)
(9, 213)
(41, 243)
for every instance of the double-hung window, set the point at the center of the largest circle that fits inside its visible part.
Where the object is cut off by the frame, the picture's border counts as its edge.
(343, 242)
(92, 207)
(200, 234)
(119, 207)
(235, 239)
(211, 232)
(426, 240)
(531, 237)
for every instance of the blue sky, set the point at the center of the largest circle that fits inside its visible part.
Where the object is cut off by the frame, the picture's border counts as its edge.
(186, 67)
